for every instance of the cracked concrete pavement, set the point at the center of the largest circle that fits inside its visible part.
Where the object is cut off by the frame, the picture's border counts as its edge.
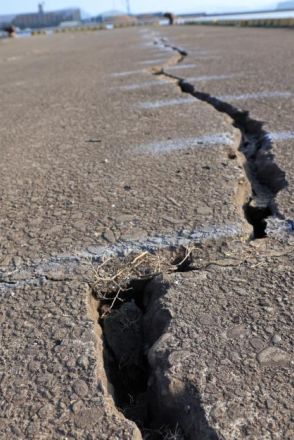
(87, 170)
(223, 362)
(62, 176)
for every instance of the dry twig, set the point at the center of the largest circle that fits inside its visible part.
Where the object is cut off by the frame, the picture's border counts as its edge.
(114, 276)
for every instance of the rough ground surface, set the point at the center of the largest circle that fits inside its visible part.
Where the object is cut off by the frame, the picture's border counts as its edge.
(49, 354)
(244, 55)
(98, 154)
(223, 362)
(73, 161)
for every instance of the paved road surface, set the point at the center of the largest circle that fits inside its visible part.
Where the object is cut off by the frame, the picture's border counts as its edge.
(101, 155)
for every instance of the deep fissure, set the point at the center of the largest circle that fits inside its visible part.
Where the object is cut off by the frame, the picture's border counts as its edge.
(126, 297)
(122, 312)
(125, 361)
(133, 317)
(126, 339)
(265, 176)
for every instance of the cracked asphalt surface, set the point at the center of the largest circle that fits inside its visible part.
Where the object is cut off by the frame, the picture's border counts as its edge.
(79, 177)
(61, 130)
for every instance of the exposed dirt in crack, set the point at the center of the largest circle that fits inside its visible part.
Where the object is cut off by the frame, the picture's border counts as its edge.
(124, 355)
(266, 178)
(122, 306)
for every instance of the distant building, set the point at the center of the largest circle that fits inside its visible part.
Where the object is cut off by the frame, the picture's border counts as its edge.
(46, 19)
(116, 18)
(109, 16)
(152, 18)
(286, 5)
(6, 20)
(113, 13)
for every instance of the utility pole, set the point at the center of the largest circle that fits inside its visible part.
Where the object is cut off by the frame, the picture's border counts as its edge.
(41, 8)
(128, 7)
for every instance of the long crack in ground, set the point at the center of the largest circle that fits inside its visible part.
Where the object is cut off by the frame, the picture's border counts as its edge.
(127, 302)
(265, 176)
(128, 290)
(127, 299)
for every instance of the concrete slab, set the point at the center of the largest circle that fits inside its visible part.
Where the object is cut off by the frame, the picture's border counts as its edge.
(84, 176)
(265, 69)
(52, 380)
(70, 138)
(222, 360)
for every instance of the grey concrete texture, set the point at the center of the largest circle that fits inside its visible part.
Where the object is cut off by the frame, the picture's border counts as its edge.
(51, 380)
(284, 157)
(85, 167)
(223, 362)
(257, 56)
(71, 142)
(262, 61)
(74, 176)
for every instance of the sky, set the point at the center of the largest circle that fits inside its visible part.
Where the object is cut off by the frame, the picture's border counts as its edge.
(94, 7)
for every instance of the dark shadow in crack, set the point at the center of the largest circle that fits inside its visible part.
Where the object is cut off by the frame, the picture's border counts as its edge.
(183, 410)
(141, 388)
(264, 174)
(173, 403)
(256, 217)
(255, 144)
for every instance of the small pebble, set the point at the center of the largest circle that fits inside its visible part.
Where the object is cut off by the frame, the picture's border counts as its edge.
(80, 388)
(272, 356)
(276, 339)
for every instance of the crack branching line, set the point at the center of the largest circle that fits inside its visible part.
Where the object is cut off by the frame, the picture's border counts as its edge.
(164, 43)
(265, 176)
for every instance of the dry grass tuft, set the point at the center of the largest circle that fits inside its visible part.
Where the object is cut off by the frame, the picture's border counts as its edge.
(113, 276)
